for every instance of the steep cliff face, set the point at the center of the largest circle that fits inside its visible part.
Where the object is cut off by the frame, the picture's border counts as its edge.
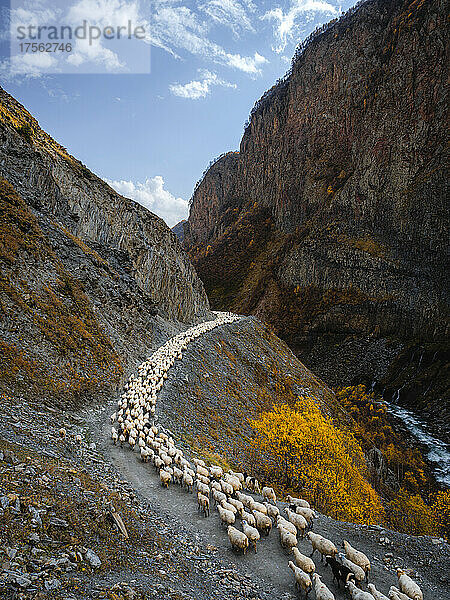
(52, 181)
(331, 221)
(90, 281)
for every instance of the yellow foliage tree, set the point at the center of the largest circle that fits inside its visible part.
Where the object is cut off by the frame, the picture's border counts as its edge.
(299, 449)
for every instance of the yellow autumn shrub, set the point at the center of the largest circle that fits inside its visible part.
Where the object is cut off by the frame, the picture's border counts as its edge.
(299, 449)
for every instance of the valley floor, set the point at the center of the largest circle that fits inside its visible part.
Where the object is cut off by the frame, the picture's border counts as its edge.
(172, 552)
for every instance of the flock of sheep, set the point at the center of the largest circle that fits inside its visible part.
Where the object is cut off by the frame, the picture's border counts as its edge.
(134, 423)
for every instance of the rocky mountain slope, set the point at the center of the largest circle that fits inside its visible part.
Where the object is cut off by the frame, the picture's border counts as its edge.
(90, 281)
(330, 222)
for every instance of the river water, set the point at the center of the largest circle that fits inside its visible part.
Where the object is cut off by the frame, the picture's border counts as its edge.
(436, 451)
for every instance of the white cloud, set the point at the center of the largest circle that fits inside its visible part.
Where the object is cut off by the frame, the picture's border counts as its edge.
(286, 24)
(154, 197)
(177, 28)
(230, 13)
(247, 64)
(199, 88)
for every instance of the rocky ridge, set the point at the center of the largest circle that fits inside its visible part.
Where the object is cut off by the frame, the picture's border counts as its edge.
(330, 222)
(90, 281)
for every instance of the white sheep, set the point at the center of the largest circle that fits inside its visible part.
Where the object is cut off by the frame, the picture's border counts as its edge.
(218, 496)
(251, 532)
(322, 544)
(375, 593)
(238, 539)
(297, 502)
(62, 432)
(287, 538)
(302, 579)
(304, 562)
(227, 488)
(258, 506)
(355, 569)
(281, 521)
(165, 478)
(395, 591)
(249, 518)
(229, 507)
(202, 488)
(263, 522)
(321, 590)
(203, 503)
(408, 586)
(357, 557)
(237, 504)
(226, 516)
(245, 499)
(298, 520)
(268, 494)
(356, 593)
(308, 513)
(272, 510)
(188, 482)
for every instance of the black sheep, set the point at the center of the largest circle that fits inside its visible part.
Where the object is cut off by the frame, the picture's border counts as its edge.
(340, 572)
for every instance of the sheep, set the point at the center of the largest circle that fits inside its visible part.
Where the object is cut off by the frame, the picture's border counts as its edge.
(202, 488)
(287, 538)
(305, 512)
(272, 510)
(297, 502)
(228, 506)
(226, 516)
(62, 432)
(215, 485)
(78, 439)
(286, 524)
(394, 590)
(268, 494)
(263, 522)
(356, 593)
(203, 504)
(356, 569)
(238, 539)
(408, 586)
(304, 562)
(114, 436)
(323, 545)
(258, 506)
(249, 518)
(357, 557)
(298, 520)
(321, 590)
(251, 532)
(375, 593)
(251, 483)
(392, 594)
(188, 482)
(204, 480)
(202, 471)
(216, 471)
(340, 571)
(218, 496)
(233, 481)
(165, 478)
(237, 504)
(302, 579)
(246, 500)
(227, 488)
(240, 476)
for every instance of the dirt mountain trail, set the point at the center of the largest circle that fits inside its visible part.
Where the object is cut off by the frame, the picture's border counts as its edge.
(429, 559)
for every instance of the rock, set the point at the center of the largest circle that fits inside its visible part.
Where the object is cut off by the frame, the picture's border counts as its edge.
(92, 558)
(52, 584)
(35, 516)
(56, 522)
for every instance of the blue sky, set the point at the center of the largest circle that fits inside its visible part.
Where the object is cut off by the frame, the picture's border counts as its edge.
(152, 135)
